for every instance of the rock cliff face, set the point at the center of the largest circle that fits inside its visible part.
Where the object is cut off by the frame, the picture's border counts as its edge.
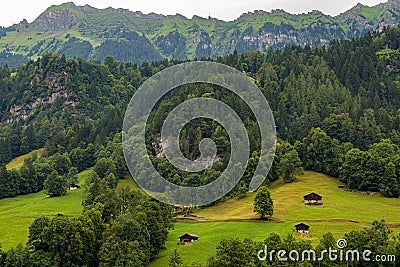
(56, 89)
(56, 20)
(103, 32)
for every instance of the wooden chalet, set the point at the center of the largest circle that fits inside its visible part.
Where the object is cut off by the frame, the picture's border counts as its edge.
(313, 199)
(301, 228)
(188, 238)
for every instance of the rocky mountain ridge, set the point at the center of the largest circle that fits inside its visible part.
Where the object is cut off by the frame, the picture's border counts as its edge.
(91, 33)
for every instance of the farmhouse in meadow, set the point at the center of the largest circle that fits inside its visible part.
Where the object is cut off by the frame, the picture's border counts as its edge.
(74, 187)
(188, 238)
(313, 199)
(301, 228)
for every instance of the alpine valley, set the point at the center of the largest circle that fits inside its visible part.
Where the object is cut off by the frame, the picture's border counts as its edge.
(68, 199)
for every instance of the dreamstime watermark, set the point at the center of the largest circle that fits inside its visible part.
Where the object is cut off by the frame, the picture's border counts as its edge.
(154, 89)
(339, 254)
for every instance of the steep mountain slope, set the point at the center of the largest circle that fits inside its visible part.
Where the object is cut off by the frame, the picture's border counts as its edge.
(90, 33)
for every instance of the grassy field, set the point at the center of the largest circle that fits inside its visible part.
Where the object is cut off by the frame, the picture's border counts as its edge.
(210, 233)
(341, 212)
(128, 182)
(339, 205)
(18, 162)
(209, 236)
(18, 213)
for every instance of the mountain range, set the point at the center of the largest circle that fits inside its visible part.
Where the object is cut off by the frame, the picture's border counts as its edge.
(91, 33)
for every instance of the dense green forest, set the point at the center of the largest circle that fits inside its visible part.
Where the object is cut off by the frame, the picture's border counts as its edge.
(337, 111)
(12, 60)
(330, 103)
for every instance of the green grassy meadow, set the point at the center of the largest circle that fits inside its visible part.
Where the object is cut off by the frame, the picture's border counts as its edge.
(339, 205)
(210, 234)
(18, 162)
(341, 212)
(128, 182)
(18, 213)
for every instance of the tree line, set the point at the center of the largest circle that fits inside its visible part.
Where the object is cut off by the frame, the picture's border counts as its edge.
(57, 172)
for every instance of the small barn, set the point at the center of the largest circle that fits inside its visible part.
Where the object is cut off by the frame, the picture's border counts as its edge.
(74, 187)
(188, 238)
(301, 228)
(313, 199)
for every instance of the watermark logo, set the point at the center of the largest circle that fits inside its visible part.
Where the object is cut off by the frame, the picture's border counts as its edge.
(153, 90)
(340, 254)
(341, 243)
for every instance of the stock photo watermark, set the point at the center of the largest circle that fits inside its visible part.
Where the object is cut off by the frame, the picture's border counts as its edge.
(154, 89)
(339, 254)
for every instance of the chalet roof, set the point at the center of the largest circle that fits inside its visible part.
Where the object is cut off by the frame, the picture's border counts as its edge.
(302, 226)
(312, 196)
(191, 235)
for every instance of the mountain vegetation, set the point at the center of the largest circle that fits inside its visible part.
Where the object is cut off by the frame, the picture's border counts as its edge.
(90, 33)
(331, 115)
(336, 108)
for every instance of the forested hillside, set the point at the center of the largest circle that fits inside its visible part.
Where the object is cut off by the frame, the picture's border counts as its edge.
(340, 97)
